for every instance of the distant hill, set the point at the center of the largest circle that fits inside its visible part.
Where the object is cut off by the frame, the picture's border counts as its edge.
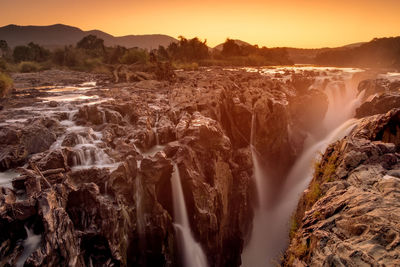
(59, 35)
(238, 42)
(300, 55)
(307, 55)
(378, 53)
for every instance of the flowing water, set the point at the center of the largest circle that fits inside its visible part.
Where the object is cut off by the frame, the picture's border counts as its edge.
(30, 244)
(7, 177)
(191, 251)
(269, 236)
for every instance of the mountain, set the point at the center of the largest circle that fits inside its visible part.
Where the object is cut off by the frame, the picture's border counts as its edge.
(59, 35)
(308, 55)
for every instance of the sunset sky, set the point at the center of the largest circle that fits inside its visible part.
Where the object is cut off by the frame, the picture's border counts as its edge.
(296, 23)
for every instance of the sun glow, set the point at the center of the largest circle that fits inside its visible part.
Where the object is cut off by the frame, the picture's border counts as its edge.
(293, 23)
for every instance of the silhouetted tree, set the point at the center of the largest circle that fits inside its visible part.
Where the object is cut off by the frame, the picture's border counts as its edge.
(188, 50)
(92, 45)
(91, 42)
(31, 52)
(231, 48)
(4, 48)
(115, 54)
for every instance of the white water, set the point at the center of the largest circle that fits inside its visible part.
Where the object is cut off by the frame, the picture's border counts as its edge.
(191, 251)
(30, 244)
(7, 177)
(258, 175)
(269, 236)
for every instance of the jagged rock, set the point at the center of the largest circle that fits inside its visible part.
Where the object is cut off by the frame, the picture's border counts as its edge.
(347, 217)
(165, 130)
(56, 159)
(90, 114)
(379, 105)
(23, 142)
(372, 87)
(113, 116)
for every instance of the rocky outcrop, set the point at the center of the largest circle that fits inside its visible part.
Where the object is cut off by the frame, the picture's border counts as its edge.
(379, 104)
(17, 144)
(97, 184)
(347, 216)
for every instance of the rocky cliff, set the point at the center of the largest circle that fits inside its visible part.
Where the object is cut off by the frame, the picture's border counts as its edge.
(348, 216)
(92, 166)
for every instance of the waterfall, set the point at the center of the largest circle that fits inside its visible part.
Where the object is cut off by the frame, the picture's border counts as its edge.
(30, 244)
(269, 236)
(191, 251)
(140, 214)
(258, 175)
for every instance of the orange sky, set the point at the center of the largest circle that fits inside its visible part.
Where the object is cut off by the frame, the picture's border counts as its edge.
(296, 23)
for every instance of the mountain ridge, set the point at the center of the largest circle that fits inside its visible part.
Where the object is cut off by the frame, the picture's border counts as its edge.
(58, 35)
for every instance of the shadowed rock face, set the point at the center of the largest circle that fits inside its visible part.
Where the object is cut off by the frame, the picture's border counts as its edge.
(349, 214)
(105, 196)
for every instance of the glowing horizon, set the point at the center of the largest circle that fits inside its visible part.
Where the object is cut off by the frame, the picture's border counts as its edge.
(291, 23)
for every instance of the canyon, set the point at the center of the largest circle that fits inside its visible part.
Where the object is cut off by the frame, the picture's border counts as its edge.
(217, 167)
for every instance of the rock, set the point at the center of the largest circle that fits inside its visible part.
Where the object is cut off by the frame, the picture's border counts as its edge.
(379, 105)
(53, 104)
(113, 116)
(23, 142)
(165, 130)
(372, 87)
(346, 217)
(90, 114)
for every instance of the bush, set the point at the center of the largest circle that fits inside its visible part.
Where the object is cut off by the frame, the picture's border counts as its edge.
(135, 56)
(5, 85)
(28, 66)
(30, 52)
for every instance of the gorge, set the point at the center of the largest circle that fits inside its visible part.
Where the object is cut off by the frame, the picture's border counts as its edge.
(218, 167)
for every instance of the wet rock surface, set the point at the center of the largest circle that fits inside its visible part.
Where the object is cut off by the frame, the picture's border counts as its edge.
(95, 162)
(348, 215)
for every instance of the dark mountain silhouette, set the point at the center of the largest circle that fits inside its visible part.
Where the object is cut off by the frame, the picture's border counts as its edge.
(60, 35)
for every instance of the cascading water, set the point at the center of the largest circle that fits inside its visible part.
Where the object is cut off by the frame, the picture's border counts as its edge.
(258, 175)
(269, 236)
(30, 244)
(191, 251)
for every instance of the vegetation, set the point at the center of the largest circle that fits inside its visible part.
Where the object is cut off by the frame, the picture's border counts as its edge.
(30, 52)
(28, 66)
(380, 52)
(5, 84)
(91, 55)
(232, 54)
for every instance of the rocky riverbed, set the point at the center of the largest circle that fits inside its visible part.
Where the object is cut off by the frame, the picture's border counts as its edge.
(87, 165)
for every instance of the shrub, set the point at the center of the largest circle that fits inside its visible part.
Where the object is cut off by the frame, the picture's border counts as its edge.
(5, 85)
(135, 56)
(30, 52)
(293, 226)
(28, 66)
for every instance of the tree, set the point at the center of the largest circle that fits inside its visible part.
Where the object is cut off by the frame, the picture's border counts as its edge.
(188, 50)
(31, 52)
(93, 44)
(231, 48)
(114, 54)
(4, 49)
